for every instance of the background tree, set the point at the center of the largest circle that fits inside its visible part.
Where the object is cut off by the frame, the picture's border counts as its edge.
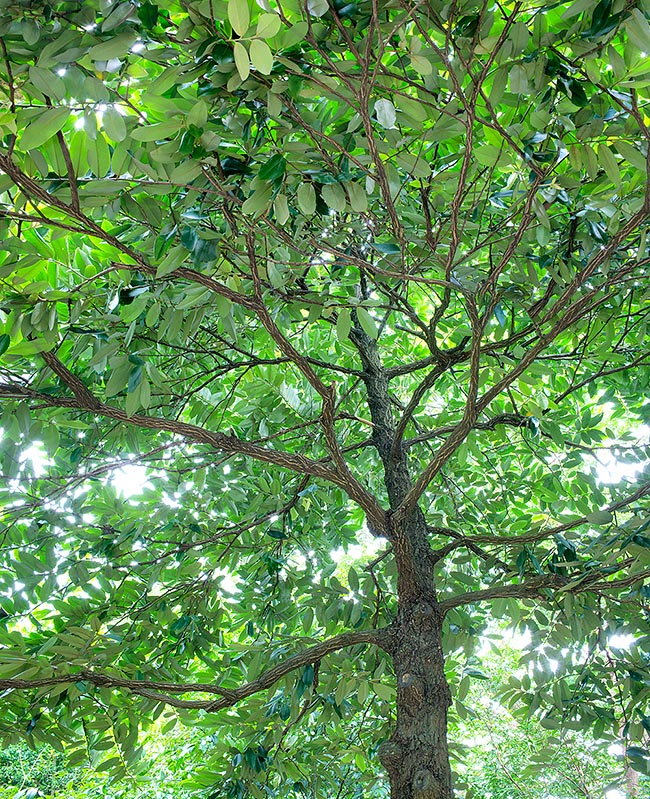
(318, 268)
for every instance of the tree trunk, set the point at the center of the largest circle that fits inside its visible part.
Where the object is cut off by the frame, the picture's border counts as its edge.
(416, 757)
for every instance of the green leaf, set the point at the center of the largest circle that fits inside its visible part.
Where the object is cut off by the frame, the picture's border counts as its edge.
(306, 197)
(609, 164)
(385, 692)
(599, 517)
(414, 165)
(47, 82)
(155, 132)
(113, 124)
(261, 56)
(148, 14)
(334, 196)
(239, 16)
(274, 168)
(185, 172)
(268, 25)
(117, 15)
(638, 30)
(242, 60)
(358, 197)
(115, 47)
(631, 155)
(281, 209)
(44, 127)
(385, 247)
(171, 261)
(134, 309)
(367, 323)
(518, 77)
(5, 341)
(258, 201)
(198, 115)
(421, 65)
(343, 324)
(317, 8)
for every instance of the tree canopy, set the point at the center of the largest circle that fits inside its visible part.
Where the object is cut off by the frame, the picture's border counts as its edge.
(328, 272)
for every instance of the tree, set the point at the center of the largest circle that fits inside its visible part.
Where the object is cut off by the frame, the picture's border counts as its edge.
(321, 268)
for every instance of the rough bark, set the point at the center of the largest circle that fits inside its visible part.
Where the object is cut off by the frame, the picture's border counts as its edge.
(416, 756)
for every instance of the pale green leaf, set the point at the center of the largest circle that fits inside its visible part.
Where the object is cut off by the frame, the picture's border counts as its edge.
(343, 324)
(242, 60)
(268, 25)
(421, 65)
(638, 30)
(306, 197)
(261, 56)
(519, 80)
(198, 114)
(155, 132)
(334, 196)
(171, 261)
(113, 124)
(281, 209)
(258, 201)
(385, 112)
(632, 155)
(115, 47)
(609, 163)
(358, 197)
(47, 82)
(367, 323)
(42, 128)
(239, 16)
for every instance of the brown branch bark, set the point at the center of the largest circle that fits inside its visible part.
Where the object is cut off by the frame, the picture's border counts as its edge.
(642, 491)
(537, 585)
(228, 697)
(569, 315)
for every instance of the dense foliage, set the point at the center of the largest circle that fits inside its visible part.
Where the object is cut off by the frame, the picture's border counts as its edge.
(323, 270)
(502, 753)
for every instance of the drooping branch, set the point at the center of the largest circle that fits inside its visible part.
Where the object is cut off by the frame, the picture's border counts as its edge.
(344, 477)
(163, 691)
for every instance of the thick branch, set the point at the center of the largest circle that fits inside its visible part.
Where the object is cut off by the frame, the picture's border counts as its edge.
(230, 444)
(229, 697)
